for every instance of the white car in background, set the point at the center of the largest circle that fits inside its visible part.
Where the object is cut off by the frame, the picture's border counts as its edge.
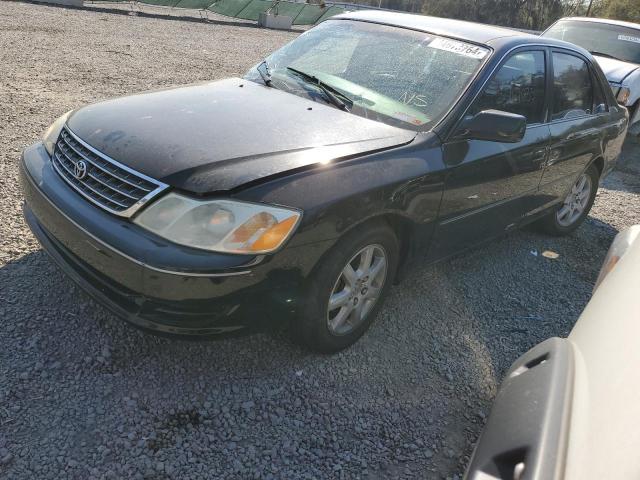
(569, 408)
(616, 47)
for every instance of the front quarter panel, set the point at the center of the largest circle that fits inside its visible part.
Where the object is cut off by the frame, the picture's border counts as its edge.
(405, 182)
(633, 82)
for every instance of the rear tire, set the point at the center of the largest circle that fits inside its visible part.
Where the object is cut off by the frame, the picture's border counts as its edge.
(570, 214)
(348, 288)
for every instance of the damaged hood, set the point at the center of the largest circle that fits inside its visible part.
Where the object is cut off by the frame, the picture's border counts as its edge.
(221, 135)
(615, 70)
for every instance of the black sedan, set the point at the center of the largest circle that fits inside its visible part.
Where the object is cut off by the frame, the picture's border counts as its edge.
(302, 191)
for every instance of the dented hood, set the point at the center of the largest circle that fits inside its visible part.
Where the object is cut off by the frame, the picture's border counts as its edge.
(615, 70)
(221, 135)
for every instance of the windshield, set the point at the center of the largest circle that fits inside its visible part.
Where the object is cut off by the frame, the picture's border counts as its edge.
(393, 75)
(616, 41)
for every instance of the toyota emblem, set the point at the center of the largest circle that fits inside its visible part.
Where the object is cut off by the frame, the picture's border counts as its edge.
(80, 170)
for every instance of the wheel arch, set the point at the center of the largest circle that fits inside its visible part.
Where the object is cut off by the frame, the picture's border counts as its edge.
(412, 236)
(406, 230)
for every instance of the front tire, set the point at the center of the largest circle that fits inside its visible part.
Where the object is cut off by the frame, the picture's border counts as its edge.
(570, 214)
(348, 288)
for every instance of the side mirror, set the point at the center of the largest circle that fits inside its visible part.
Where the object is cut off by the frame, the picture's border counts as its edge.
(494, 126)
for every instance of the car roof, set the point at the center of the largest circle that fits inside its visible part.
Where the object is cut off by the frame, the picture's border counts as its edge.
(473, 32)
(499, 38)
(604, 20)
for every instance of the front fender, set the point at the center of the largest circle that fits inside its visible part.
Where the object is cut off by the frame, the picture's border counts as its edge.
(406, 182)
(633, 82)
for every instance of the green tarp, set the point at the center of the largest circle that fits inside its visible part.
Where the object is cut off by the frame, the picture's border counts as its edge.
(289, 9)
(301, 13)
(309, 15)
(253, 10)
(230, 8)
(164, 3)
(194, 4)
(330, 12)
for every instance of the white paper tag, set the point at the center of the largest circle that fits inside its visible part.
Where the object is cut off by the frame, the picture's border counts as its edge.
(461, 48)
(405, 117)
(629, 38)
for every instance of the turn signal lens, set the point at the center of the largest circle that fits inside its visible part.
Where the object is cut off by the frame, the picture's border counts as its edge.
(623, 95)
(220, 225)
(272, 238)
(249, 231)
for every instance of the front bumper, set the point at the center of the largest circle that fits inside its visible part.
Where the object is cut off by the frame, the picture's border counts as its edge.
(152, 283)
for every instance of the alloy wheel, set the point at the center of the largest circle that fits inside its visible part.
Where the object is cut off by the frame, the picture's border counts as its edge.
(357, 289)
(576, 201)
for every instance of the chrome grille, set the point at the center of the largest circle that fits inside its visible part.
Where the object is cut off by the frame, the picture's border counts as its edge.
(105, 182)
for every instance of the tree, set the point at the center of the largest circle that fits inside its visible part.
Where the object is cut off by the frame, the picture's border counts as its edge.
(623, 10)
(525, 14)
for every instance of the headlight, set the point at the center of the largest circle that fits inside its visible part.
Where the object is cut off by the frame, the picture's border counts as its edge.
(220, 225)
(623, 95)
(52, 133)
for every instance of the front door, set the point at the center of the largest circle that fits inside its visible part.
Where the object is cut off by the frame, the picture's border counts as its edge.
(492, 185)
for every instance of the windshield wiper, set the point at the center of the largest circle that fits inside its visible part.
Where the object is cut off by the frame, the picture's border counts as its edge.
(602, 54)
(266, 74)
(330, 92)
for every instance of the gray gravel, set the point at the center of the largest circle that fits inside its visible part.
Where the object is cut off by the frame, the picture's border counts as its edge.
(84, 396)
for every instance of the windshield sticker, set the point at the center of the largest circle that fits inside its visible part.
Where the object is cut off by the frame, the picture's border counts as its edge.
(629, 38)
(461, 48)
(405, 117)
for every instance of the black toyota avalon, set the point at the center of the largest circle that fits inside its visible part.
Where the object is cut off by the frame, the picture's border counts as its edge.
(301, 192)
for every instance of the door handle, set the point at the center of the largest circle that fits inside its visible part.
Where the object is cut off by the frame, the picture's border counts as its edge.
(582, 134)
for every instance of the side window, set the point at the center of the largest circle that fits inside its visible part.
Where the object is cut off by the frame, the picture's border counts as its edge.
(517, 87)
(572, 88)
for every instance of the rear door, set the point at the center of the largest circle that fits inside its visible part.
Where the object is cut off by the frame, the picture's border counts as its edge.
(579, 116)
(492, 185)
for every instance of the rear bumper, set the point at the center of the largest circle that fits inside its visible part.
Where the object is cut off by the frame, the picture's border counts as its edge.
(153, 284)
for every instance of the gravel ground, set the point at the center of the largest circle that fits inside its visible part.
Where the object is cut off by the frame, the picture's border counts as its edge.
(82, 395)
